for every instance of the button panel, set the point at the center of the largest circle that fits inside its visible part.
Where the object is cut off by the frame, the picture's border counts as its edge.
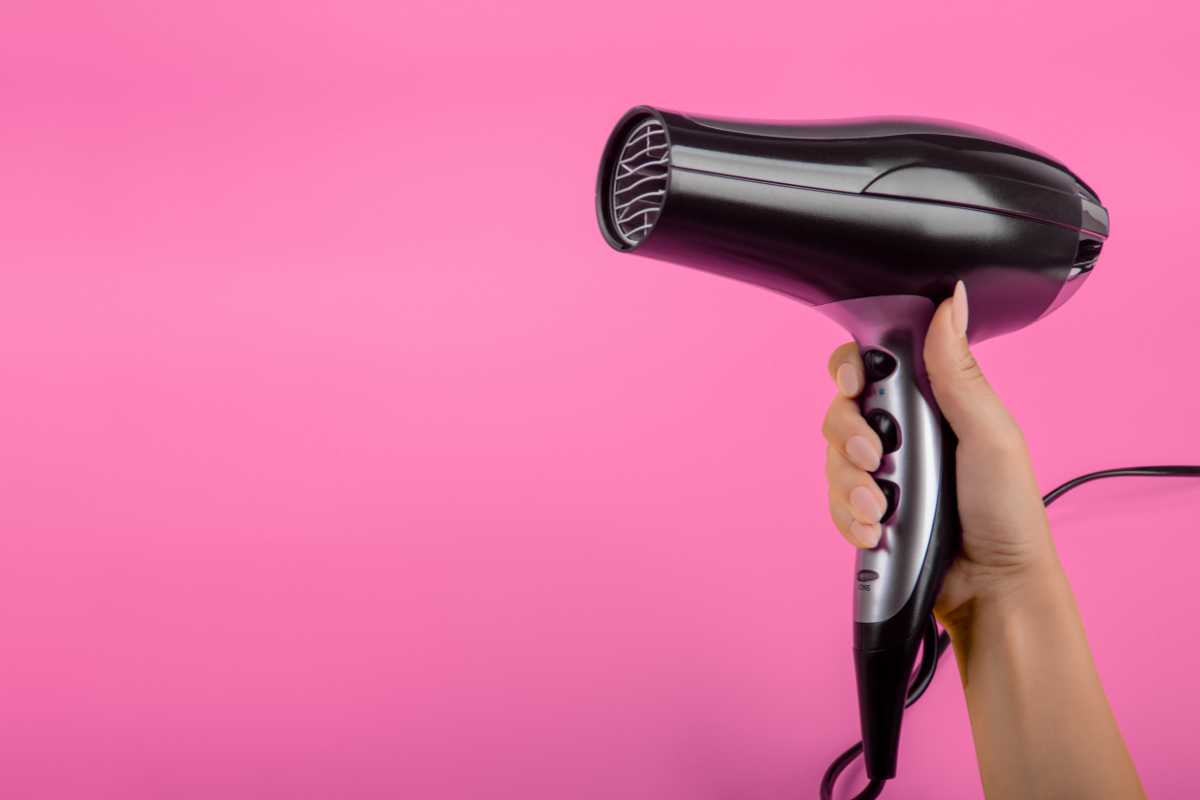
(893, 326)
(880, 365)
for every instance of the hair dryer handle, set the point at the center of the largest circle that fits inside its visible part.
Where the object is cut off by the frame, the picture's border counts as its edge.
(896, 582)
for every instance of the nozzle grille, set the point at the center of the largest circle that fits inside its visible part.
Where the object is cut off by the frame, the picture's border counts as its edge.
(639, 183)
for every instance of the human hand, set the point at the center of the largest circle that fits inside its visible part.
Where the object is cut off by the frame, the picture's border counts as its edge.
(1006, 536)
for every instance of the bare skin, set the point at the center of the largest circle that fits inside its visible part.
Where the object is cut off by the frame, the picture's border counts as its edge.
(1041, 722)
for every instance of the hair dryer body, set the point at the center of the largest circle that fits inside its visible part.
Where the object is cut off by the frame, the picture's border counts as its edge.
(872, 223)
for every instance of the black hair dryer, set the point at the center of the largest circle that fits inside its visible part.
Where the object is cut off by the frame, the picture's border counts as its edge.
(872, 222)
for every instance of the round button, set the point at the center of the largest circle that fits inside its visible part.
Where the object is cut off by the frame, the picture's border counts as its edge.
(891, 493)
(886, 426)
(878, 365)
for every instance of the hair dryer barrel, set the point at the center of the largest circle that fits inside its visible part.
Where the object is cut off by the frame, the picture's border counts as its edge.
(825, 212)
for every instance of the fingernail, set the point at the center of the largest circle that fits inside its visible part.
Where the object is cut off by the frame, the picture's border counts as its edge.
(864, 455)
(959, 311)
(865, 504)
(866, 535)
(849, 382)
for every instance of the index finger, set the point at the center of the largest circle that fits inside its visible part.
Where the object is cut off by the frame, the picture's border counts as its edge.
(846, 368)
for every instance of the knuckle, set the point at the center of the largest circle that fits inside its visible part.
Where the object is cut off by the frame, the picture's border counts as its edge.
(831, 504)
(842, 354)
(962, 367)
(828, 424)
(842, 357)
(840, 517)
(968, 368)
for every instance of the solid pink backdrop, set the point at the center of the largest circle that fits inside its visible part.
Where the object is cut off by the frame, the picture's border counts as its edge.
(342, 459)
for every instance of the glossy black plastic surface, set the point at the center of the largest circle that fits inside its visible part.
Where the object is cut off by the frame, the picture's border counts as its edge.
(877, 365)
(891, 496)
(886, 427)
(885, 652)
(825, 212)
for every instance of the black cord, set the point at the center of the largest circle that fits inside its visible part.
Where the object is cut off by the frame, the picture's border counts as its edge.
(935, 643)
(1148, 472)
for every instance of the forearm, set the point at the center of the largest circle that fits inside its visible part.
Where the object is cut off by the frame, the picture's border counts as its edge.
(1042, 725)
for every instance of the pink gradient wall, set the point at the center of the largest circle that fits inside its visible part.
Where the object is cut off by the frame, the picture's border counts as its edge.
(340, 458)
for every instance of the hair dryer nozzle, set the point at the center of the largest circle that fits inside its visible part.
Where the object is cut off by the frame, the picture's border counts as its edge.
(631, 188)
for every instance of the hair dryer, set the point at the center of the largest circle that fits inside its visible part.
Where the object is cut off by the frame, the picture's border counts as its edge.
(872, 222)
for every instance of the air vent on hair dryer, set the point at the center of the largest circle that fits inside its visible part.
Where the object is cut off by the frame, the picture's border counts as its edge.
(639, 181)
(1086, 255)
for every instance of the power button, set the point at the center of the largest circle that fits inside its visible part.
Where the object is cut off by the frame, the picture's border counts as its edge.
(878, 365)
(886, 426)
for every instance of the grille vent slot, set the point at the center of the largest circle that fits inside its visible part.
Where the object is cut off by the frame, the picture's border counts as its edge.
(1088, 252)
(639, 185)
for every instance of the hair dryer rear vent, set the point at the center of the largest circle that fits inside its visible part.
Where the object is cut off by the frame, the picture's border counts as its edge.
(639, 181)
(1086, 255)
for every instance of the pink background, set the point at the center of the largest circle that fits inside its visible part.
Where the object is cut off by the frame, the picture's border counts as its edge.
(340, 458)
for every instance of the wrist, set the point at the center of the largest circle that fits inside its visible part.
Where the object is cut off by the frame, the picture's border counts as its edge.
(1036, 586)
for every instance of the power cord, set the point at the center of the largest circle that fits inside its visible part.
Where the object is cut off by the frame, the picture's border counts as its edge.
(935, 643)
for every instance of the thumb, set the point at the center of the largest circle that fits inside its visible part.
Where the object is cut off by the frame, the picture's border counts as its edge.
(966, 398)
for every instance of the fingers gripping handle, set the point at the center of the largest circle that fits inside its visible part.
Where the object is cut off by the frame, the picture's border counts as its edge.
(896, 582)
